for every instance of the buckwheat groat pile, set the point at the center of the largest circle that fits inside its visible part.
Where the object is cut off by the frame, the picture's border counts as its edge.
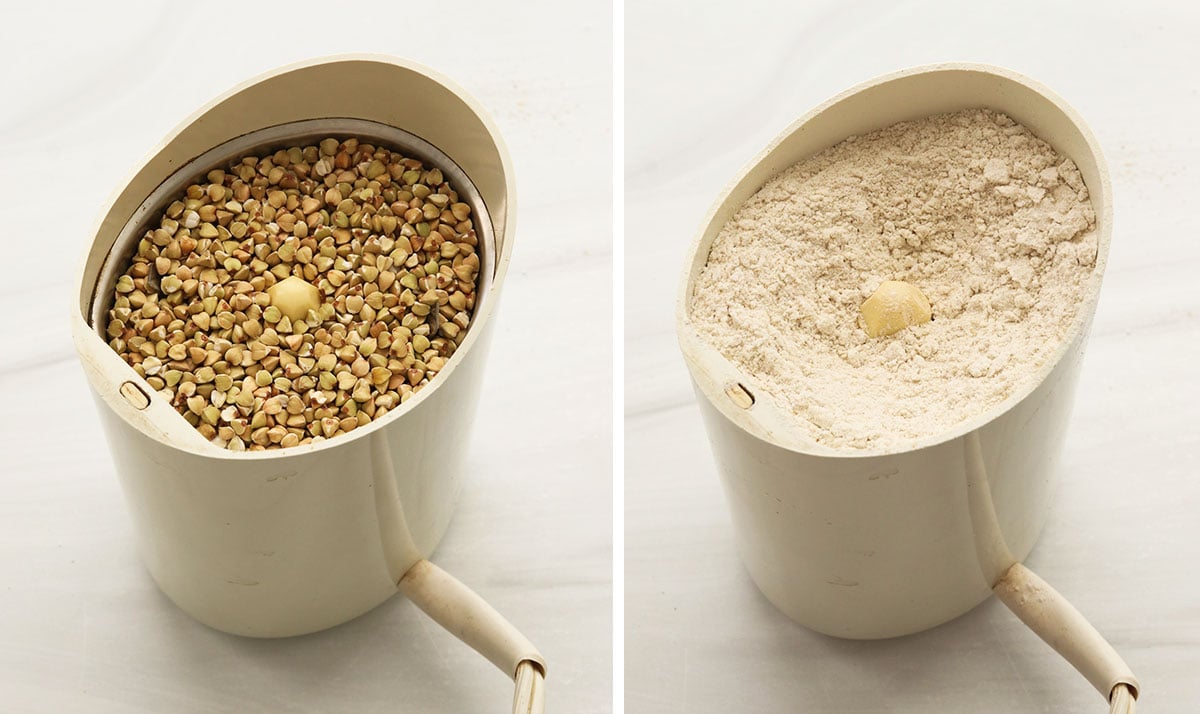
(380, 262)
(986, 220)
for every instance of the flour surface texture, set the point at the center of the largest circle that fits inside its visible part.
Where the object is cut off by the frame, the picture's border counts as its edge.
(992, 225)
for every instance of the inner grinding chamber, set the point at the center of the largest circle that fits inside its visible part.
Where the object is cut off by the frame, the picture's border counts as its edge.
(264, 142)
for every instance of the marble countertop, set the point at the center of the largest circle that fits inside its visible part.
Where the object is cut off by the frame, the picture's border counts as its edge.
(1123, 537)
(87, 92)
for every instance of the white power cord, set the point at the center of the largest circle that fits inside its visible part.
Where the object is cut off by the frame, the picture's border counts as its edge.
(1038, 605)
(1123, 700)
(1064, 628)
(530, 694)
(468, 617)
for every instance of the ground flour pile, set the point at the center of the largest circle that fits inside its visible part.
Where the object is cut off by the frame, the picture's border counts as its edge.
(986, 219)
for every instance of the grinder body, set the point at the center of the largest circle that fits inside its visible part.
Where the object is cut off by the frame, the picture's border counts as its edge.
(285, 542)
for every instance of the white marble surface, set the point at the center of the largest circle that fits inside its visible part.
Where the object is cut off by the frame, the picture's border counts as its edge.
(87, 92)
(704, 92)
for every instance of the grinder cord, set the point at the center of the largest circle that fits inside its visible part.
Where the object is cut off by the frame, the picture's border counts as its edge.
(1061, 626)
(1123, 700)
(530, 694)
(468, 617)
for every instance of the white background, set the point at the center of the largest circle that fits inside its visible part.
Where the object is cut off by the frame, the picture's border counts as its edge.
(705, 91)
(84, 94)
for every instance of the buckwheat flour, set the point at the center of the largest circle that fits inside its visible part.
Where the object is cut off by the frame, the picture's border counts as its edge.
(986, 219)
